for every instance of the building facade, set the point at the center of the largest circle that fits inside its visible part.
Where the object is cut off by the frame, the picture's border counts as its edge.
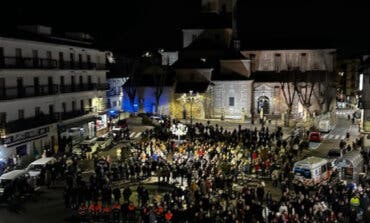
(49, 86)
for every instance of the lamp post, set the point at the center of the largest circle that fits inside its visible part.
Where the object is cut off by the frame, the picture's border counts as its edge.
(191, 100)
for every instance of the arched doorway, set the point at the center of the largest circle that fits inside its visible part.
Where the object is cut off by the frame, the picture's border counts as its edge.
(263, 103)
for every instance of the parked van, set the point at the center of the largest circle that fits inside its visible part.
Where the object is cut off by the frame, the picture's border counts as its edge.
(312, 171)
(325, 126)
(8, 180)
(35, 168)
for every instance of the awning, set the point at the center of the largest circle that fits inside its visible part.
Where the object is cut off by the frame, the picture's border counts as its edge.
(78, 123)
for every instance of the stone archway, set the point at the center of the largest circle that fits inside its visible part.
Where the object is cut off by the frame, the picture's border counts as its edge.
(263, 103)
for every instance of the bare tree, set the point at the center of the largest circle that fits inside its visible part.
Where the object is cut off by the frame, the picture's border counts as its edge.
(289, 94)
(159, 81)
(133, 73)
(324, 94)
(304, 88)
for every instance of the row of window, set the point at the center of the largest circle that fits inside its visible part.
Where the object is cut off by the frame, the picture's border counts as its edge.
(61, 57)
(36, 81)
(39, 113)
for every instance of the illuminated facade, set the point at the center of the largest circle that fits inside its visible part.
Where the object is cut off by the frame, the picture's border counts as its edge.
(48, 85)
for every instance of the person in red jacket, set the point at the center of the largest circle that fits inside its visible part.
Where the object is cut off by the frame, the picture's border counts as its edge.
(82, 212)
(98, 211)
(91, 210)
(116, 209)
(168, 216)
(131, 212)
(106, 213)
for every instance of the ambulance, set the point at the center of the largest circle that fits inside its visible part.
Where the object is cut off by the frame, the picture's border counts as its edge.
(312, 171)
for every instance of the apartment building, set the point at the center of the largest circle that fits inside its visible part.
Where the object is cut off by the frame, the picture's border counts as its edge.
(49, 88)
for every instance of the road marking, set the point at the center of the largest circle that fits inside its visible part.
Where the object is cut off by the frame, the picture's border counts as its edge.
(132, 134)
(138, 135)
(343, 137)
(324, 136)
(330, 136)
(337, 136)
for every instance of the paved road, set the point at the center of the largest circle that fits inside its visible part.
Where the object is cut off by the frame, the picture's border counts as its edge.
(45, 208)
(332, 139)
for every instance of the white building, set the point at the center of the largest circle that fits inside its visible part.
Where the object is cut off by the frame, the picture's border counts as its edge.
(48, 85)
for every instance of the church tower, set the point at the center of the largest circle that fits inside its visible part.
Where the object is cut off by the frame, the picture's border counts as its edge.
(224, 7)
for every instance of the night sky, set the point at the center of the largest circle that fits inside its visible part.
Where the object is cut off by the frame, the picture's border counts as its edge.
(141, 24)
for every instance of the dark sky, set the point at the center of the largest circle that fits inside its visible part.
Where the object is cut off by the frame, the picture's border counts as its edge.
(156, 23)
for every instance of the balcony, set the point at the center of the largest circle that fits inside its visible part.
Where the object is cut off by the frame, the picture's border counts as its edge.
(27, 62)
(102, 87)
(9, 93)
(70, 65)
(73, 114)
(76, 88)
(41, 63)
(27, 123)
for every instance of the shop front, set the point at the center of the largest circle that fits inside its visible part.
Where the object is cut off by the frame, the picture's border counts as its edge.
(29, 143)
(72, 133)
(101, 124)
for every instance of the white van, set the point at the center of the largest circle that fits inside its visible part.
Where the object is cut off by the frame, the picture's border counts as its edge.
(312, 170)
(34, 169)
(325, 126)
(8, 178)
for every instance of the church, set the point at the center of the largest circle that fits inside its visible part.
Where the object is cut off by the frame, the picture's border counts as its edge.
(215, 78)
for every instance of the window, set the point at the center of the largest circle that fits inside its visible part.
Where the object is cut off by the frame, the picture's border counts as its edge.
(36, 85)
(72, 59)
(231, 101)
(1, 56)
(20, 88)
(51, 109)
(61, 60)
(64, 107)
(37, 111)
(277, 62)
(21, 114)
(114, 103)
(323, 169)
(90, 103)
(80, 59)
(82, 105)
(88, 59)
(35, 58)
(2, 118)
(81, 81)
(89, 83)
(73, 106)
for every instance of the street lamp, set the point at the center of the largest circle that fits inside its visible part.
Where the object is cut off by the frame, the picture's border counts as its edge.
(191, 100)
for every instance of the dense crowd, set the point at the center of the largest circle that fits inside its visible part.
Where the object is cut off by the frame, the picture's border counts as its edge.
(208, 180)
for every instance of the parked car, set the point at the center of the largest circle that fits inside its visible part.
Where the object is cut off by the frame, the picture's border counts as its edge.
(9, 180)
(156, 118)
(104, 142)
(315, 137)
(121, 124)
(86, 148)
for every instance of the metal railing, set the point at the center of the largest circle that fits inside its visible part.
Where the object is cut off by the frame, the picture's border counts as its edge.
(43, 63)
(28, 123)
(9, 93)
(27, 62)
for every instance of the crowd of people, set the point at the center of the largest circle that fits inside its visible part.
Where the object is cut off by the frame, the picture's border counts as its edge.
(207, 172)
